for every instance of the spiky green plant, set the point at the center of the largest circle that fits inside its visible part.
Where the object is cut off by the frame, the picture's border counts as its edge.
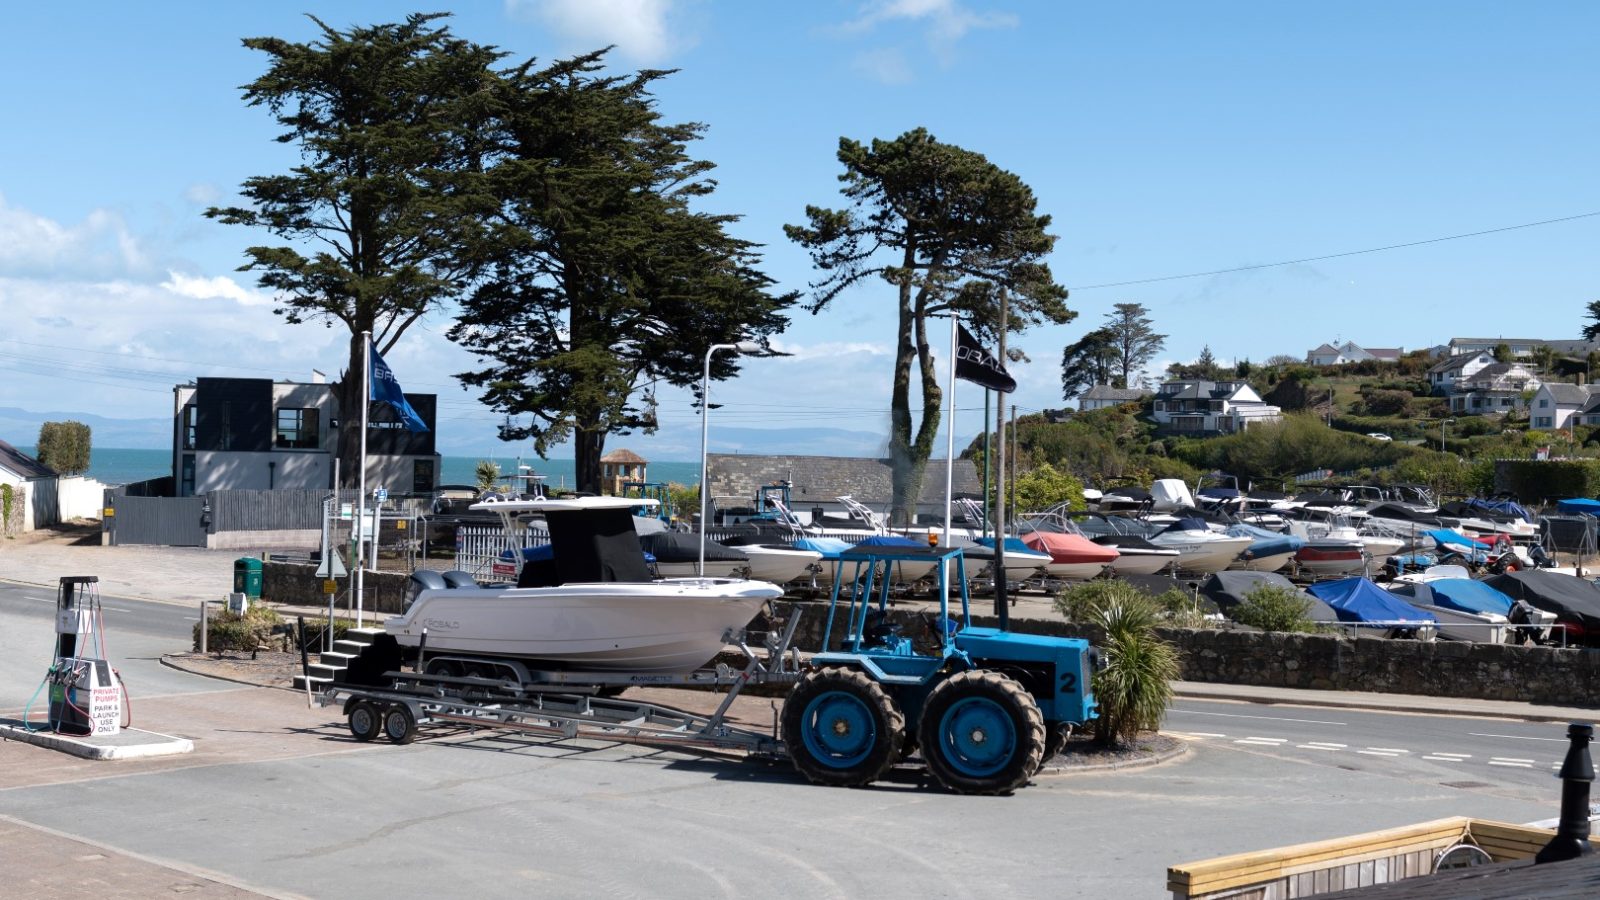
(1135, 687)
(487, 473)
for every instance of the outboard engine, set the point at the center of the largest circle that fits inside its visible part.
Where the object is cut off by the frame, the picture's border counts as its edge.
(421, 580)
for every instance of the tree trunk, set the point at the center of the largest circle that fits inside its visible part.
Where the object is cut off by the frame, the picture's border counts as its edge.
(347, 443)
(589, 444)
(904, 482)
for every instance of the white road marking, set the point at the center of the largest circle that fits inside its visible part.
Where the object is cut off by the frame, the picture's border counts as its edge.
(1199, 712)
(1517, 737)
(1444, 759)
(1261, 742)
(1510, 759)
(1319, 747)
(1378, 753)
(1455, 755)
(1389, 749)
(1512, 765)
(1325, 745)
(191, 618)
(1199, 734)
(116, 609)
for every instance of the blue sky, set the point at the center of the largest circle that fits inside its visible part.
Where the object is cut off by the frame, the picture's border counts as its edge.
(1164, 139)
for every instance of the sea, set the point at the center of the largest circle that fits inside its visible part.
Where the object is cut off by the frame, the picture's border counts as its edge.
(113, 465)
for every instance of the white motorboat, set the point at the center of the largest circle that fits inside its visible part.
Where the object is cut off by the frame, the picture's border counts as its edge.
(592, 605)
(773, 561)
(676, 554)
(1199, 548)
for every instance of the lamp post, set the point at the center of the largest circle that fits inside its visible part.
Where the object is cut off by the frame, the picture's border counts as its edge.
(1443, 425)
(743, 348)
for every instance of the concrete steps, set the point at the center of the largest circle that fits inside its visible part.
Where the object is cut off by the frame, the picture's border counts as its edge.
(331, 664)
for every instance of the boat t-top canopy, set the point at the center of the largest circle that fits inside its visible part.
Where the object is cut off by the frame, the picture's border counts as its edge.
(544, 504)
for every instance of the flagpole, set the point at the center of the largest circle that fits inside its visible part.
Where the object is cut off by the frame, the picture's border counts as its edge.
(361, 480)
(950, 434)
(1002, 609)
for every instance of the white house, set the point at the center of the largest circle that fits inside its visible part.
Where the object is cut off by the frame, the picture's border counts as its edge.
(1521, 347)
(1350, 351)
(257, 434)
(1444, 374)
(1556, 402)
(1196, 405)
(1102, 396)
(27, 492)
(1495, 388)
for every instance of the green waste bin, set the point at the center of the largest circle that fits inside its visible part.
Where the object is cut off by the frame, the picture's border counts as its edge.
(247, 577)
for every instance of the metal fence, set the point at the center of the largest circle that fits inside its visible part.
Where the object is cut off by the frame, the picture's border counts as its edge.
(186, 521)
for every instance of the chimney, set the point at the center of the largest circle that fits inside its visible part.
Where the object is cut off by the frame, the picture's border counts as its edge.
(318, 377)
(1577, 773)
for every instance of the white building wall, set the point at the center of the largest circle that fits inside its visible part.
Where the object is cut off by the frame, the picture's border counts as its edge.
(78, 497)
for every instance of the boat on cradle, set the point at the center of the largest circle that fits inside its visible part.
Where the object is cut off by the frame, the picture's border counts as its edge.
(1468, 610)
(1322, 557)
(593, 605)
(1073, 557)
(1123, 500)
(1231, 588)
(773, 561)
(1135, 554)
(903, 571)
(1269, 551)
(1021, 561)
(1575, 601)
(828, 550)
(1487, 519)
(1200, 549)
(1360, 602)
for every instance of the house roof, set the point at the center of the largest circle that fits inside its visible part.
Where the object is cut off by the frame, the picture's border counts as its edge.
(819, 479)
(1566, 394)
(1200, 389)
(1384, 352)
(1452, 362)
(15, 460)
(1107, 392)
(1325, 348)
(623, 455)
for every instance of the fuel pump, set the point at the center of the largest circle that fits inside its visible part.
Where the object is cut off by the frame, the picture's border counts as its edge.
(86, 693)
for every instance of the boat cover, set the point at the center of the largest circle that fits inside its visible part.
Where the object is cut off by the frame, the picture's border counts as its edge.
(1013, 545)
(1126, 493)
(1464, 594)
(1491, 509)
(1229, 589)
(1445, 536)
(1579, 506)
(1265, 543)
(1402, 513)
(1170, 493)
(1359, 600)
(830, 548)
(1568, 596)
(1186, 525)
(890, 540)
(678, 547)
(1070, 548)
(1126, 542)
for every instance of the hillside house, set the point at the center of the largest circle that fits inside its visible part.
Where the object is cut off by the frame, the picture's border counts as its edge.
(1444, 374)
(1495, 388)
(1350, 351)
(1521, 348)
(32, 491)
(258, 434)
(1103, 396)
(1555, 404)
(1195, 406)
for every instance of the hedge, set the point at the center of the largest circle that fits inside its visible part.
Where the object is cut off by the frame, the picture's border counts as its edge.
(1541, 480)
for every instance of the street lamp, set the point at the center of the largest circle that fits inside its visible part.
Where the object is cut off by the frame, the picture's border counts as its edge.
(1442, 426)
(743, 348)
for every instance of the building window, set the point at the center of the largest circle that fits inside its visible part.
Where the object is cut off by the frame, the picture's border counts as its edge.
(1543, 403)
(1542, 422)
(186, 476)
(187, 426)
(1505, 401)
(297, 429)
(422, 476)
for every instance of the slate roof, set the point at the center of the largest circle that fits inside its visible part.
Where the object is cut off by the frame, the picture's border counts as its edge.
(1569, 394)
(1384, 352)
(624, 455)
(819, 479)
(1453, 362)
(15, 460)
(1202, 390)
(1107, 392)
(1325, 348)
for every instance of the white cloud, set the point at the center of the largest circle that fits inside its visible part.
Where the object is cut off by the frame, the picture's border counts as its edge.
(885, 64)
(943, 22)
(639, 28)
(101, 244)
(827, 349)
(219, 288)
(202, 194)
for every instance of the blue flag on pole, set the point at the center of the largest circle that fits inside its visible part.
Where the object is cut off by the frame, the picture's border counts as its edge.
(387, 389)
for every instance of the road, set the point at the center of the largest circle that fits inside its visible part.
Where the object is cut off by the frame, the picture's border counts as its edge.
(277, 799)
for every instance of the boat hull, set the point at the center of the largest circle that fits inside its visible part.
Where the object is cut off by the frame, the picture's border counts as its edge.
(1132, 562)
(1204, 557)
(1270, 563)
(778, 565)
(661, 627)
(1319, 561)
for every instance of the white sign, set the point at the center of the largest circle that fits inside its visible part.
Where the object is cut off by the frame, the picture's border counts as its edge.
(381, 494)
(331, 566)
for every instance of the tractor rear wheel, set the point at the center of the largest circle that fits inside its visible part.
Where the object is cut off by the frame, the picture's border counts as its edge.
(841, 729)
(981, 733)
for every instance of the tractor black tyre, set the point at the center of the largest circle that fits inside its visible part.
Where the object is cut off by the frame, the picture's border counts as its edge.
(365, 723)
(399, 725)
(841, 729)
(981, 733)
(1055, 738)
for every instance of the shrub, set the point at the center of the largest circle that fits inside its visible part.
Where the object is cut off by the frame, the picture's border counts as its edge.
(1080, 602)
(226, 630)
(1273, 608)
(1180, 609)
(1135, 687)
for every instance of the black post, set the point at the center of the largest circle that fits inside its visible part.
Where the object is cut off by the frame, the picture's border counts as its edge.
(1577, 773)
(422, 650)
(305, 664)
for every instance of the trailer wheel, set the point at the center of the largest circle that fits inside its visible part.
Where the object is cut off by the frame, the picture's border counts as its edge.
(982, 733)
(399, 725)
(365, 723)
(841, 728)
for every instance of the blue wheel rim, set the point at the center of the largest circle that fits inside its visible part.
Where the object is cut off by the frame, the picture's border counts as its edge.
(839, 730)
(978, 737)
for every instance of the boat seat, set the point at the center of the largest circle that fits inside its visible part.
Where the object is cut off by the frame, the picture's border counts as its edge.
(457, 579)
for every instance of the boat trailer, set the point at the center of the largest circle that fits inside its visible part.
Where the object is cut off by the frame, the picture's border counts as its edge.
(568, 705)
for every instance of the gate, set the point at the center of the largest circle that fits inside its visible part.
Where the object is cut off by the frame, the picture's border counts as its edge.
(171, 521)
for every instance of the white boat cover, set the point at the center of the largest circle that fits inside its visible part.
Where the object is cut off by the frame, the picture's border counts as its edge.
(1170, 493)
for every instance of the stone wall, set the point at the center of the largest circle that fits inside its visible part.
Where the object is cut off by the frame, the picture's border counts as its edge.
(294, 584)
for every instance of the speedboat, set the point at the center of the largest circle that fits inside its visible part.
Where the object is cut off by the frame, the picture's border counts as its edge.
(677, 555)
(1269, 551)
(1325, 556)
(1360, 602)
(1136, 555)
(1199, 548)
(1021, 561)
(1073, 557)
(1467, 610)
(772, 561)
(593, 605)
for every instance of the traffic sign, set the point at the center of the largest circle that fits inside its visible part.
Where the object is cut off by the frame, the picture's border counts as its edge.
(331, 566)
(381, 494)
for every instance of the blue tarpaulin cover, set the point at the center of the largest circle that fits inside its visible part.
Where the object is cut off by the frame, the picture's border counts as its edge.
(1359, 600)
(1264, 542)
(1013, 545)
(1579, 505)
(830, 548)
(1505, 507)
(890, 540)
(1469, 596)
(1446, 536)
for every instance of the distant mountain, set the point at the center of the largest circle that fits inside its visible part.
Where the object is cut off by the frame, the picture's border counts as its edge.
(21, 427)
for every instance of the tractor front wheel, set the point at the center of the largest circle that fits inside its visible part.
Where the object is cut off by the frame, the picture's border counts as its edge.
(982, 733)
(840, 728)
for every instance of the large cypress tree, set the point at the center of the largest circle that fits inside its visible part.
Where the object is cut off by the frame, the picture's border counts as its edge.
(947, 229)
(602, 278)
(383, 211)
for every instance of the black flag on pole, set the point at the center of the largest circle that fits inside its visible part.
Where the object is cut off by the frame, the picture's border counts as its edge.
(979, 366)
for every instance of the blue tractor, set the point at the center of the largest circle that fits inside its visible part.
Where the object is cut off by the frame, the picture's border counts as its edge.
(985, 707)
